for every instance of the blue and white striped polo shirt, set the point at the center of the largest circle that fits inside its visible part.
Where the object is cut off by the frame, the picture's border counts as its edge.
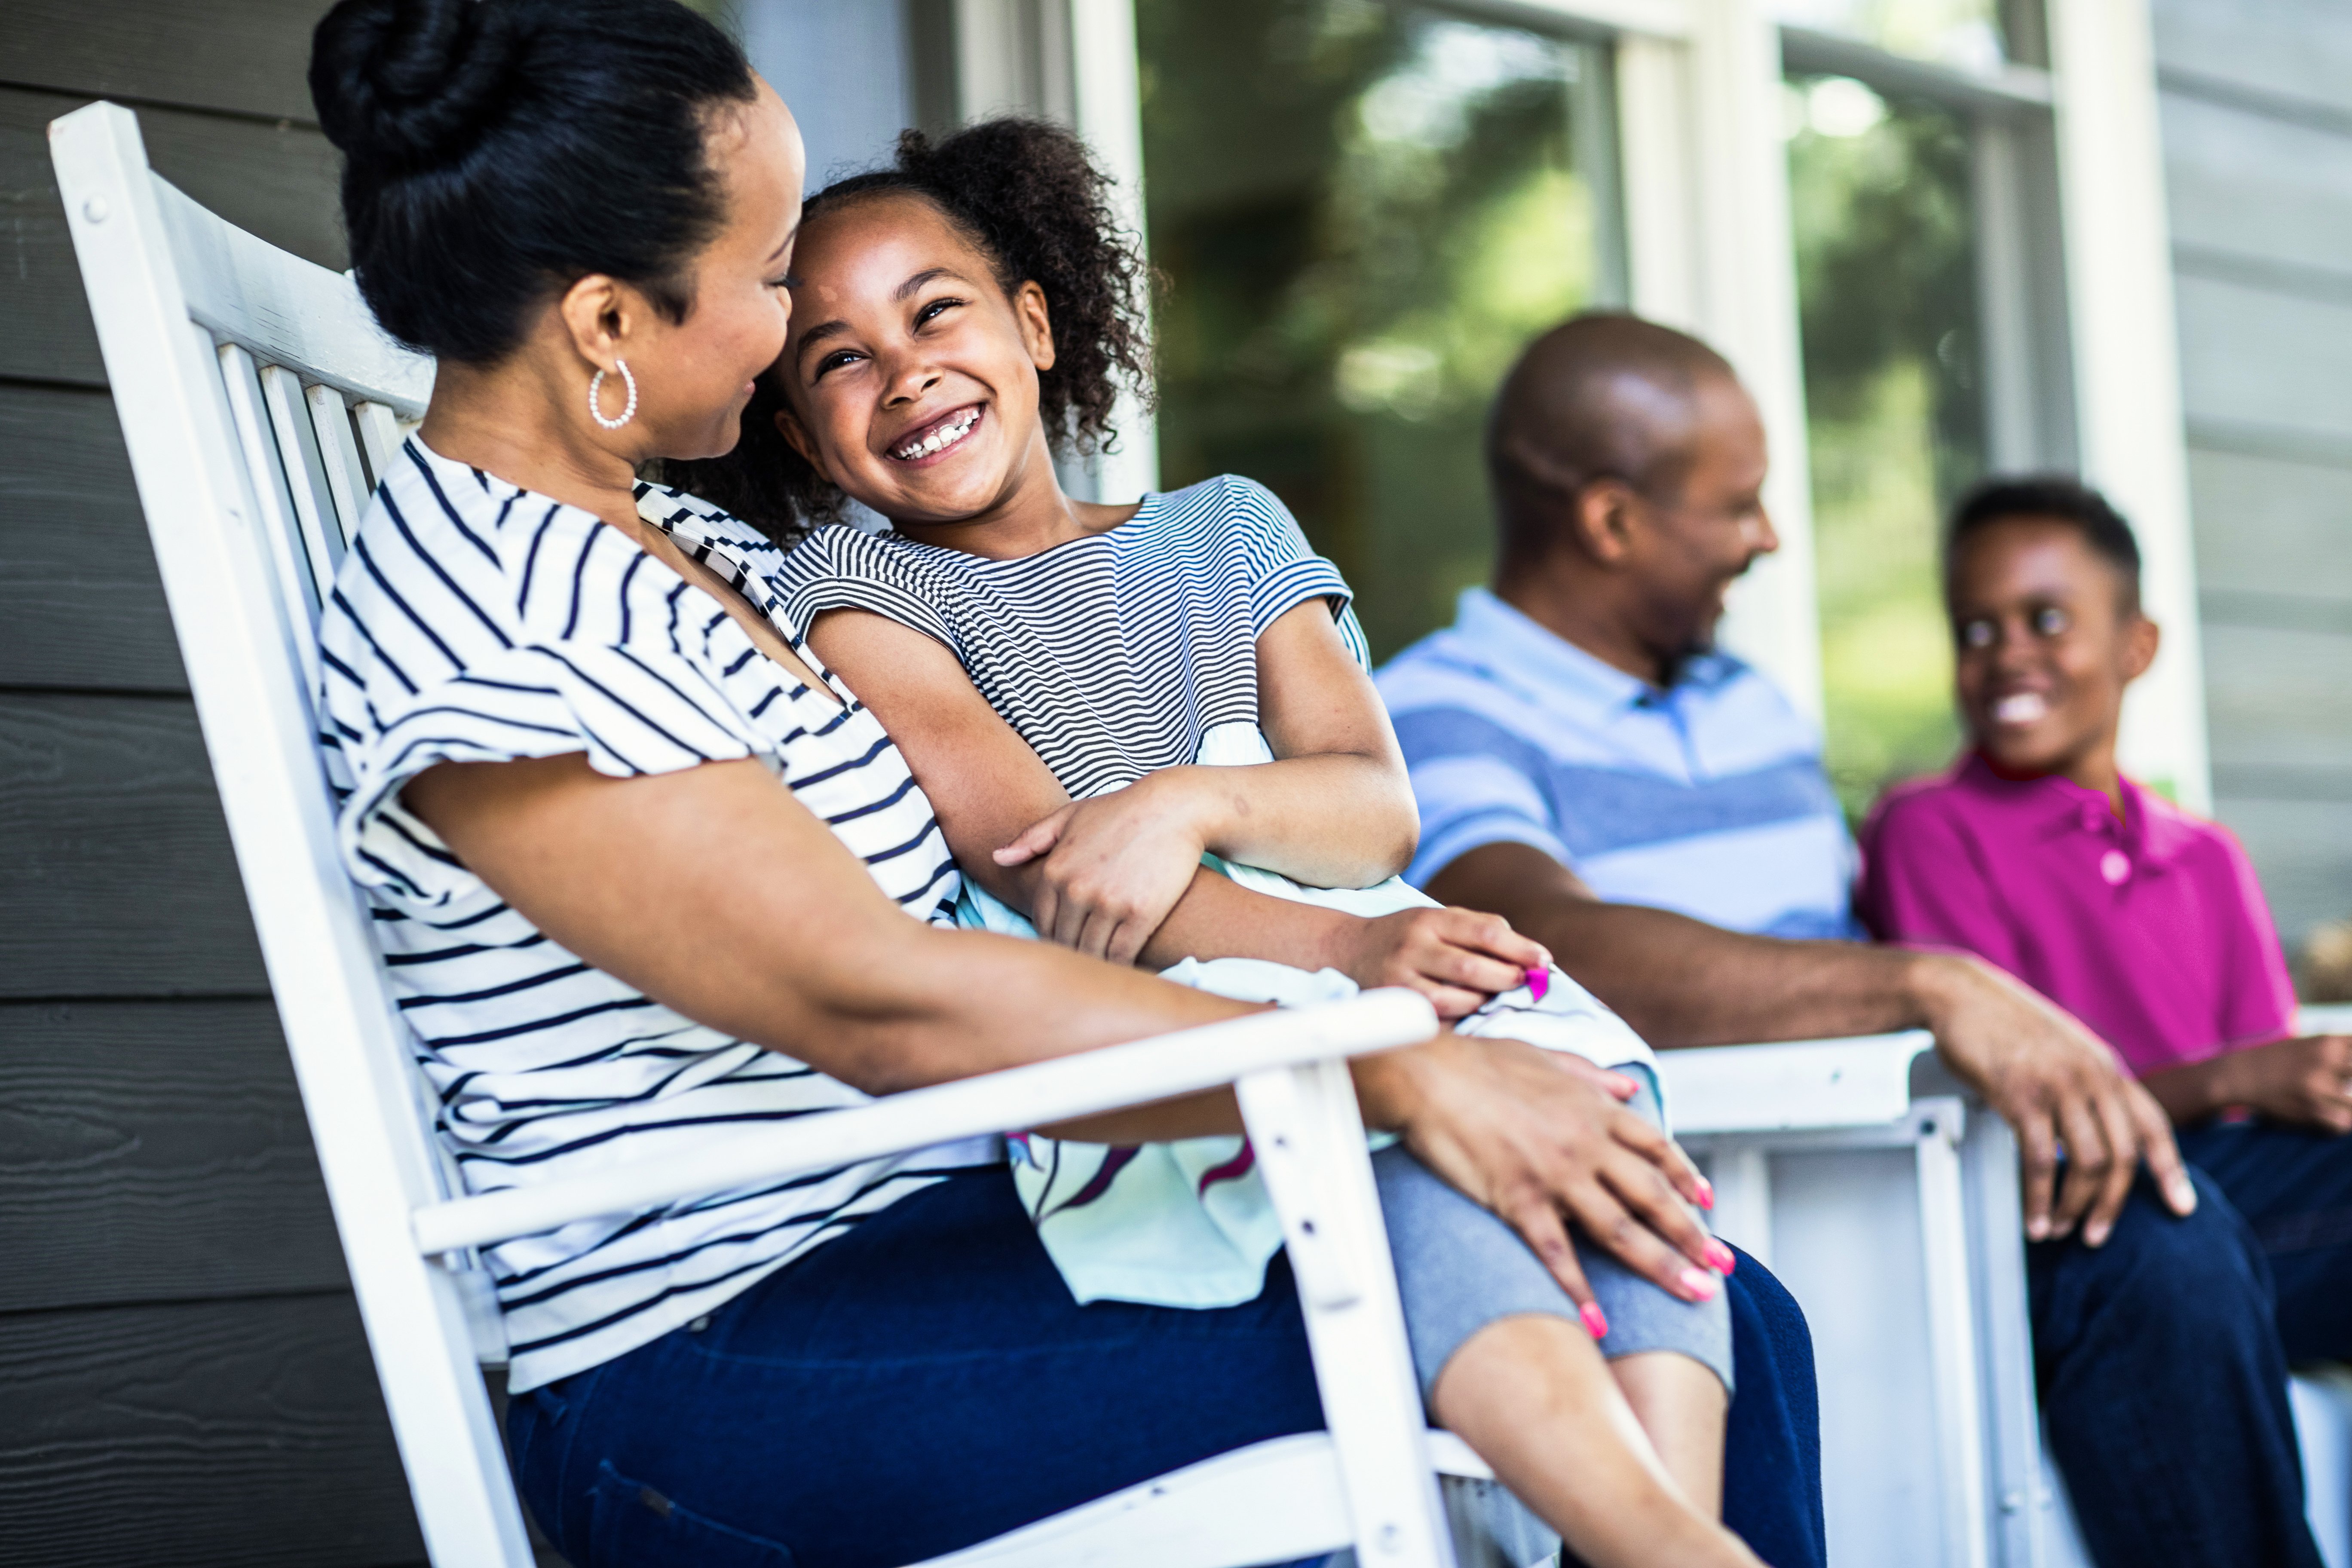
(1707, 799)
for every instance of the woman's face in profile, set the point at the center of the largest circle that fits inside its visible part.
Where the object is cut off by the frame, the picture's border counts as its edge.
(696, 375)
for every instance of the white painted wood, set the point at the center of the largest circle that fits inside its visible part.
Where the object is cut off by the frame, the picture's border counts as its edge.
(1742, 1169)
(347, 482)
(1642, 19)
(1654, 132)
(2284, 532)
(1864, 1081)
(2257, 359)
(2128, 363)
(2280, 696)
(2299, 51)
(2243, 183)
(305, 470)
(1952, 1340)
(1105, 93)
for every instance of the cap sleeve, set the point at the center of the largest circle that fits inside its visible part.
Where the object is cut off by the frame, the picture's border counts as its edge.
(1284, 568)
(631, 711)
(843, 568)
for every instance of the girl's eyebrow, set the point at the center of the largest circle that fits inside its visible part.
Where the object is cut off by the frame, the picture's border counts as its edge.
(908, 289)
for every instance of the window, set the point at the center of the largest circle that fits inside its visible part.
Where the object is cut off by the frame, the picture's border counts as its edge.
(1365, 211)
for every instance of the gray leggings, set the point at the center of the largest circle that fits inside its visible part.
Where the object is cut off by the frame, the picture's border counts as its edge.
(1459, 1267)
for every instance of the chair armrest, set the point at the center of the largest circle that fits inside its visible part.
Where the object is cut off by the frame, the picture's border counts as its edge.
(1086, 1084)
(1864, 1081)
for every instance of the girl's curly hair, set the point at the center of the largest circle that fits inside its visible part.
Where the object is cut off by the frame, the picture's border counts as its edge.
(1028, 196)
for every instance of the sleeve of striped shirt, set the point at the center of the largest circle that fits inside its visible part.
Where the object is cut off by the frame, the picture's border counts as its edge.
(1284, 568)
(844, 568)
(631, 711)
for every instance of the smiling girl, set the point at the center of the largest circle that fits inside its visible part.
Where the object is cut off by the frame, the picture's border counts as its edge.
(1098, 698)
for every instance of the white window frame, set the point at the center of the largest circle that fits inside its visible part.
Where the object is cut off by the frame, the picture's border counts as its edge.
(2085, 365)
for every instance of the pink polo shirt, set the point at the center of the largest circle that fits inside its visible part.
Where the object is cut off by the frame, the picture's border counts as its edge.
(2152, 929)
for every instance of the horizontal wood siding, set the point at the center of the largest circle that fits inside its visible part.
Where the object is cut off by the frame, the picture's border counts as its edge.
(184, 1376)
(2257, 121)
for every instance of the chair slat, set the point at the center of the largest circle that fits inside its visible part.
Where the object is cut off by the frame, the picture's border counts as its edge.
(305, 471)
(300, 592)
(381, 433)
(347, 482)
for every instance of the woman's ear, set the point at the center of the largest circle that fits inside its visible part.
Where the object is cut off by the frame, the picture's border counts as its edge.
(796, 436)
(598, 314)
(1037, 323)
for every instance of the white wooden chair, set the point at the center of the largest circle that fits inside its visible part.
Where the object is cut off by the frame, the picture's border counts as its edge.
(258, 400)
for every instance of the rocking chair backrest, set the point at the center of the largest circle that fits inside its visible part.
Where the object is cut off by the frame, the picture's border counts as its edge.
(259, 402)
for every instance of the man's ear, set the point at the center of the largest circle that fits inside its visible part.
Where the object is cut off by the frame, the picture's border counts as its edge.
(796, 436)
(2142, 637)
(1037, 323)
(1602, 520)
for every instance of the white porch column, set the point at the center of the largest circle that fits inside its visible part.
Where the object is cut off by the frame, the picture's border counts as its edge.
(2128, 359)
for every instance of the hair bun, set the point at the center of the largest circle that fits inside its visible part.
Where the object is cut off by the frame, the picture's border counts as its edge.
(413, 82)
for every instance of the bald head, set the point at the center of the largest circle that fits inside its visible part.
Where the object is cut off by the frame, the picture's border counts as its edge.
(1604, 396)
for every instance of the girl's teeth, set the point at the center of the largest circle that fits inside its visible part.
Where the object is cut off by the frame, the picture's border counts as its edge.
(946, 435)
(2023, 708)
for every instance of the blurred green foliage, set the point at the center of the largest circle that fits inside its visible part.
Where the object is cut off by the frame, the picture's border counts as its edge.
(1886, 280)
(1363, 211)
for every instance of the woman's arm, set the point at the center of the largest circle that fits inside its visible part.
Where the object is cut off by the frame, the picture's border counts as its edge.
(1150, 902)
(715, 892)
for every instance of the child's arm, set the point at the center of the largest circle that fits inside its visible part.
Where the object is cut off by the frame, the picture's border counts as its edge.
(2304, 1082)
(1335, 810)
(986, 785)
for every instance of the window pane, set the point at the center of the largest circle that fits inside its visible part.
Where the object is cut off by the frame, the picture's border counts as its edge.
(1364, 212)
(1964, 33)
(1886, 282)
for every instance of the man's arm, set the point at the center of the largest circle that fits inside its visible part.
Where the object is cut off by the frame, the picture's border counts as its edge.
(1681, 982)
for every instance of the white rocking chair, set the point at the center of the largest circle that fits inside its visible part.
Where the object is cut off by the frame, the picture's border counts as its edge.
(259, 400)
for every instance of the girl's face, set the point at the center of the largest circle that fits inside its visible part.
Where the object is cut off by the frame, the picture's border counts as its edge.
(911, 378)
(694, 376)
(2047, 640)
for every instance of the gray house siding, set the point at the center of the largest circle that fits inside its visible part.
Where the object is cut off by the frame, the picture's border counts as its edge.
(182, 1377)
(2257, 125)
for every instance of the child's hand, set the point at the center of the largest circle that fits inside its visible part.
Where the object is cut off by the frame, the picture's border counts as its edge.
(1108, 870)
(1456, 958)
(2300, 1081)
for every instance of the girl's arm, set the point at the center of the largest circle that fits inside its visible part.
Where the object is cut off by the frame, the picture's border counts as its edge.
(1334, 810)
(1155, 903)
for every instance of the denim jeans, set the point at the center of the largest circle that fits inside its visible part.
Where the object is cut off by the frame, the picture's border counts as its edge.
(2162, 1356)
(926, 1382)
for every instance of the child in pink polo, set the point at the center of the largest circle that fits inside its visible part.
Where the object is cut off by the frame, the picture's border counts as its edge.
(2145, 922)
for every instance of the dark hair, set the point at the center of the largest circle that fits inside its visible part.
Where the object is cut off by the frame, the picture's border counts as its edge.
(2059, 499)
(495, 150)
(1028, 197)
(1562, 422)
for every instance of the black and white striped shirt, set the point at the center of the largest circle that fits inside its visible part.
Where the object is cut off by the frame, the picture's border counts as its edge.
(474, 621)
(1111, 655)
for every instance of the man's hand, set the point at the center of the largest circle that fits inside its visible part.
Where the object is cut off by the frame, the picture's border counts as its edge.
(2055, 1084)
(2304, 1082)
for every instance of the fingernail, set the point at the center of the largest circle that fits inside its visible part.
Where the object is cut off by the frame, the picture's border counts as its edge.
(1706, 1193)
(1721, 1258)
(1595, 1320)
(2037, 1228)
(2095, 1235)
(1699, 1283)
(1538, 982)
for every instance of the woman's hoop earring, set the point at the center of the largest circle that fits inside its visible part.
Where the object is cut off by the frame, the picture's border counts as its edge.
(597, 385)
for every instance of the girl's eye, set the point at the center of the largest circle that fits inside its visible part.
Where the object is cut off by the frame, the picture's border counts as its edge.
(2049, 621)
(832, 362)
(924, 316)
(1976, 634)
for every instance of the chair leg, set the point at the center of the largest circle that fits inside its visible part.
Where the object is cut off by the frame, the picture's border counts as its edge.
(1951, 1330)
(1306, 1129)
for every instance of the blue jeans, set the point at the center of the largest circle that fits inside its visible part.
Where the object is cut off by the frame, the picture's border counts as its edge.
(926, 1382)
(2162, 1357)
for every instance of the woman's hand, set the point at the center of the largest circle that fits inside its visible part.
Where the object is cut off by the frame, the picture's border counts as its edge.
(1539, 1138)
(2304, 1082)
(1108, 869)
(1456, 958)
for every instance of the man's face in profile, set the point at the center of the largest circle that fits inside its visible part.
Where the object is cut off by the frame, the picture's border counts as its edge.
(1693, 540)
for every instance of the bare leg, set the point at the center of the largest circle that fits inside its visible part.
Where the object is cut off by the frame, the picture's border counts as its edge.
(1533, 1397)
(1681, 1406)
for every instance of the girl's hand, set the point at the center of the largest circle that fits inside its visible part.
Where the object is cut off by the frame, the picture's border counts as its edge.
(1456, 958)
(1108, 869)
(1539, 1138)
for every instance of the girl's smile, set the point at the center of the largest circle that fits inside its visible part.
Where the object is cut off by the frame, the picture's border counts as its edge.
(932, 440)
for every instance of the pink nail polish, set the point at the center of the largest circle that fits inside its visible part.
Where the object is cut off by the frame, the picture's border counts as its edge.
(1538, 982)
(1721, 1258)
(1596, 1322)
(1699, 1283)
(1706, 1193)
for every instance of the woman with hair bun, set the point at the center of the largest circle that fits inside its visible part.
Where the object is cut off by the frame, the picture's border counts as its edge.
(642, 873)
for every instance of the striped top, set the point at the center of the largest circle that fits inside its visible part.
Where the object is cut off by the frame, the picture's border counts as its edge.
(474, 621)
(1111, 655)
(1706, 798)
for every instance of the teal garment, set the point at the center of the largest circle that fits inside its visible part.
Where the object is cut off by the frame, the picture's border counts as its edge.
(1188, 1223)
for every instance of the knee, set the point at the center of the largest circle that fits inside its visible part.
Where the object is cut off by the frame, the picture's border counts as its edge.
(2193, 1277)
(1771, 1342)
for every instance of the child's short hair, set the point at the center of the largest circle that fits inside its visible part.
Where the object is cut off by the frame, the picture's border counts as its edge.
(1028, 196)
(2059, 498)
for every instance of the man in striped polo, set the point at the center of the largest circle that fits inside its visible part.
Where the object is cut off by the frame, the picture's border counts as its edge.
(1589, 765)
